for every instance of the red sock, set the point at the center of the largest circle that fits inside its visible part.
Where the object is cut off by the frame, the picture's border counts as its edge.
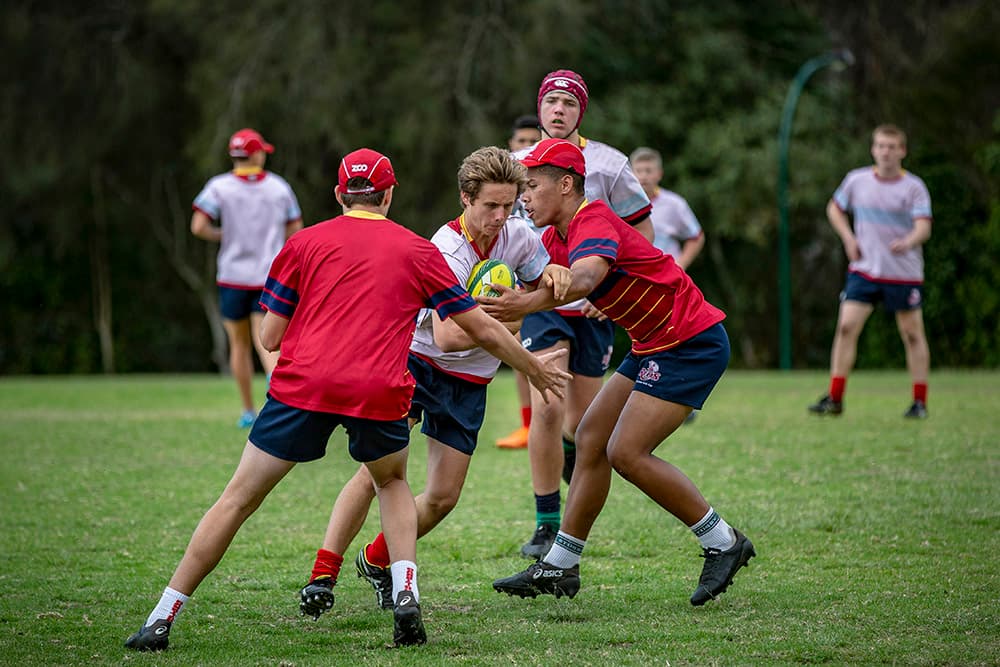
(837, 386)
(377, 552)
(327, 565)
(526, 417)
(920, 392)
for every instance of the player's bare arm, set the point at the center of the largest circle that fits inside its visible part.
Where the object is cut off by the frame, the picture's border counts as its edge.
(919, 236)
(690, 250)
(291, 227)
(587, 273)
(449, 337)
(202, 227)
(842, 225)
(543, 371)
(645, 227)
(272, 330)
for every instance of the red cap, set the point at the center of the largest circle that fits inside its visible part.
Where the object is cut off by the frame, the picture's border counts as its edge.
(565, 81)
(246, 142)
(558, 153)
(368, 164)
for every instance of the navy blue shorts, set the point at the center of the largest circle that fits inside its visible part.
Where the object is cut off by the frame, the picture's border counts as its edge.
(293, 434)
(591, 342)
(685, 374)
(451, 409)
(237, 304)
(893, 297)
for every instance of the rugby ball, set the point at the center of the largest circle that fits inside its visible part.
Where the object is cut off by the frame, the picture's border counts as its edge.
(489, 272)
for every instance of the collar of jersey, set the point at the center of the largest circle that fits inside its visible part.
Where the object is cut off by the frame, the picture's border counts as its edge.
(249, 173)
(366, 215)
(902, 174)
(584, 203)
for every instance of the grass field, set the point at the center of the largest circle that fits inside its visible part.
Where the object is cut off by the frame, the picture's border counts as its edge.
(877, 538)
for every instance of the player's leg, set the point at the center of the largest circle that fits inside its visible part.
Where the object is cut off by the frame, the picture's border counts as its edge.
(558, 571)
(518, 439)
(580, 393)
(257, 473)
(545, 455)
(918, 357)
(446, 472)
(346, 519)
(241, 365)
(593, 343)
(382, 447)
(851, 320)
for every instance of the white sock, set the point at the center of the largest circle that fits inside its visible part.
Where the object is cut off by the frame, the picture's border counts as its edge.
(404, 578)
(170, 605)
(565, 551)
(713, 532)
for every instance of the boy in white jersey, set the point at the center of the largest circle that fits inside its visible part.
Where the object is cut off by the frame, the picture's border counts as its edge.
(676, 230)
(250, 213)
(577, 327)
(892, 220)
(450, 372)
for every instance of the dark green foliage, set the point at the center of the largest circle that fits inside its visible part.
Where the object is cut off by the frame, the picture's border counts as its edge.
(114, 114)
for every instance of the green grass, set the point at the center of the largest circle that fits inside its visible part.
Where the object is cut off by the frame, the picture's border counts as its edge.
(877, 538)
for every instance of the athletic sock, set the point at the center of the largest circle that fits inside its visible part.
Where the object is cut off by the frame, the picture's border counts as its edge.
(838, 384)
(327, 565)
(565, 551)
(713, 532)
(526, 417)
(404, 578)
(920, 392)
(547, 509)
(377, 552)
(170, 605)
(569, 445)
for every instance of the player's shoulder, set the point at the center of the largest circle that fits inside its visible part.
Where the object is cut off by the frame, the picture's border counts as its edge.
(448, 237)
(606, 152)
(278, 179)
(861, 174)
(664, 196)
(913, 178)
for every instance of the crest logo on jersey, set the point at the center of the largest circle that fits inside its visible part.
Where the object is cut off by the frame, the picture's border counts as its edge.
(914, 298)
(359, 167)
(651, 373)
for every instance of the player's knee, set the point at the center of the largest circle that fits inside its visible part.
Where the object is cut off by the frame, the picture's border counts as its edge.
(623, 462)
(441, 504)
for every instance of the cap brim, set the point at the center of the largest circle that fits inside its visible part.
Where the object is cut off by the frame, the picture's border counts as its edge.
(267, 148)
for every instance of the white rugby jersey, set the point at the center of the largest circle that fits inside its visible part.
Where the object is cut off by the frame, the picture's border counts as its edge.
(610, 179)
(253, 211)
(673, 222)
(883, 211)
(518, 246)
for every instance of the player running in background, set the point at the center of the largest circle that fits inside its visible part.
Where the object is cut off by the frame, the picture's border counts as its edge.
(676, 230)
(679, 352)
(589, 337)
(892, 220)
(450, 371)
(256, 212)
(342, 299)
(524, 134)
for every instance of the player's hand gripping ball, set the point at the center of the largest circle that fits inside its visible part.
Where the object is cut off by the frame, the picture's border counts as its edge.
(489, 272)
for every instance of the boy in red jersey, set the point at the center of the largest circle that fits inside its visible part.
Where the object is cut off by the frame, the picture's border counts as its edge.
(679, 352)
(342, 299)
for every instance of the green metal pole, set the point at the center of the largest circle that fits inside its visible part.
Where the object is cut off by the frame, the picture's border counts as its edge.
(809, 68)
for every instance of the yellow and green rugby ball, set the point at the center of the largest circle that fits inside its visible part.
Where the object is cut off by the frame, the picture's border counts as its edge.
(489, 272)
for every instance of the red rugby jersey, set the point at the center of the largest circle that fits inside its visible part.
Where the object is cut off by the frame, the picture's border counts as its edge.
(644, 291)
(352, 287)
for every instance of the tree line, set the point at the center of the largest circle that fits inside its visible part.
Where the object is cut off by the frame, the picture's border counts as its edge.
(114, 114)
